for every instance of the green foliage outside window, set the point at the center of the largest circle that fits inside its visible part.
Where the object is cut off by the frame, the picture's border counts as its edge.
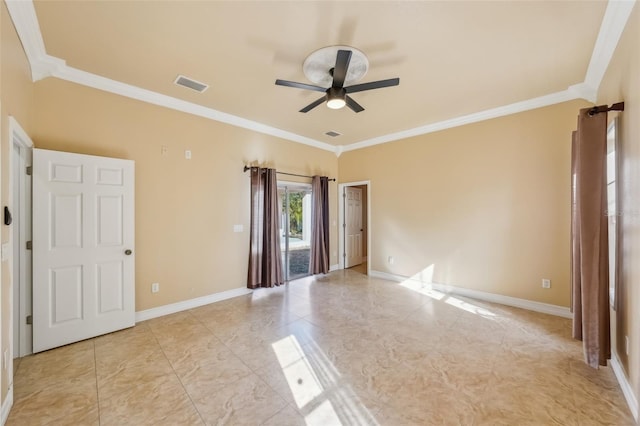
(295, 214)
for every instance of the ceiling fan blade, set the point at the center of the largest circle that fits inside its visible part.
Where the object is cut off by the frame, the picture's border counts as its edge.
(372, 85)
(356, 107)
(300, 85)
(340, 70)
(313, 104)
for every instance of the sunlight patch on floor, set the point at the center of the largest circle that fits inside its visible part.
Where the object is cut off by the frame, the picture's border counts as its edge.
(322, 415)
(301, 377)
(422, 283)
(315, 385)
(423, 288)
(469, 307)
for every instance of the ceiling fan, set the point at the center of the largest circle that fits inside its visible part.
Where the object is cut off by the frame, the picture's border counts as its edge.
(337, 96)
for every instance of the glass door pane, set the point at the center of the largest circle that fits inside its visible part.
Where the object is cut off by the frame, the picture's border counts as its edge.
(284, 229)
(299, 238)
(295, 226)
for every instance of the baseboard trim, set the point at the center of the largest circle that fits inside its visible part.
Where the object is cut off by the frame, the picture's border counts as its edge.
(387, 276)
(334, 267)
(6, 406)
(172, 308)
(544, 308)
(632, 401)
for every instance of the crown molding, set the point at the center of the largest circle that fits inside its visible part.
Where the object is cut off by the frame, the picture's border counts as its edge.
(542, 101)
(24, 17)
(613, 23)
(584, 91)
(84, 78)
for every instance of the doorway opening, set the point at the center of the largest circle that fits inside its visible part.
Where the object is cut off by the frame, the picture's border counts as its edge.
(294, 200)
(354, 236)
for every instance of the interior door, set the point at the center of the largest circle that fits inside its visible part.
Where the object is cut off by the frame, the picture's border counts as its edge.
(353, 221)
(83, 242)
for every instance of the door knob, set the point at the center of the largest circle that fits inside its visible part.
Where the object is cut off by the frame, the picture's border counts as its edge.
(128, 252)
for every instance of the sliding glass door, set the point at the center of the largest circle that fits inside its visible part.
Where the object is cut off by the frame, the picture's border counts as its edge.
(295, 228)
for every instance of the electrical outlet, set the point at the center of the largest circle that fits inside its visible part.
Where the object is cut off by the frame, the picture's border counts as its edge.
(391, 260)
(187, 154)
(626, 345)
(546, 283)
(155, 287)
(164, 151)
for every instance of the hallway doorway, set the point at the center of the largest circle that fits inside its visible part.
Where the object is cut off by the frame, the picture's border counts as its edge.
(354, 236)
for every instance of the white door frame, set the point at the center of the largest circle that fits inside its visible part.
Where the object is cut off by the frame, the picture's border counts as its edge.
(3, 416)
(20, 138)
(341, 222)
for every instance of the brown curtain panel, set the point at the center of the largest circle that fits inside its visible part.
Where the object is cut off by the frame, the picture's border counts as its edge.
(589, 238)
(265, 263)
(319, 260)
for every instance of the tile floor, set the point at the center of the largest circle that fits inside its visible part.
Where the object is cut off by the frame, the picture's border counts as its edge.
(343, 349)
(361, 268)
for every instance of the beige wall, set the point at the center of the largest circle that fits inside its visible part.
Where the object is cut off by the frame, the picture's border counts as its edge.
(483, 206)
(16, 99)
(486, 204)
(185, 209)
(622, 83)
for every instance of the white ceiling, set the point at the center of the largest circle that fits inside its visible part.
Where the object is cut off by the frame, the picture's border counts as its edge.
(458, 61)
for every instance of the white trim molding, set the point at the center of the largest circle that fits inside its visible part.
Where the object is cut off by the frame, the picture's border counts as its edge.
(542, 101)
(334, 267)
(6, 405)
(613, 23)
(84, 78)
(341, 211)
(530, 305)
(627, 391)
(18, 132)
(172, 308)
(43, 65)
(18, 136)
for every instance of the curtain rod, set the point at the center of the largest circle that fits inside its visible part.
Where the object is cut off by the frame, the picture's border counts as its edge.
(283, 173)
(604, 108)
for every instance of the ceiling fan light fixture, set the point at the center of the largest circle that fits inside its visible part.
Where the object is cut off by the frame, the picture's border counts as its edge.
(336, 98)
(336, 95)
(336, 103)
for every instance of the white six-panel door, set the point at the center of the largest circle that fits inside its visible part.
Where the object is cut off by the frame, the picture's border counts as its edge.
(83, 247)
(353, 220)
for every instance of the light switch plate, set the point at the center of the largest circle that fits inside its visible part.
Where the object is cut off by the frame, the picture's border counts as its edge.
(238, 228)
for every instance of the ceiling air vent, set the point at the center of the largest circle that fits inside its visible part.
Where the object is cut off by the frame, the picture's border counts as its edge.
(181, 80)
(332, 134)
